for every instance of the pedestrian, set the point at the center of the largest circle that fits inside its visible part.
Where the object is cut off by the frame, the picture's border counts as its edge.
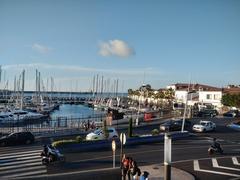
(144, 176)
(135, 170)
(125, 167)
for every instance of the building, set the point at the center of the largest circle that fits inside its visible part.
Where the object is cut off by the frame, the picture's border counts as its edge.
(197, 94)
(231, 89)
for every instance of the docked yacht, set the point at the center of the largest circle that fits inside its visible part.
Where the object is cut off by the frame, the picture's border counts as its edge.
(21, 115)
(5, 117)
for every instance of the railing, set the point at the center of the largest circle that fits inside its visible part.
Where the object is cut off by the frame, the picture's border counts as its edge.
(56, 125)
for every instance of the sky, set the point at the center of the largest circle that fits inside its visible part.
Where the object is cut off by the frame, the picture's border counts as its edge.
(156, 42)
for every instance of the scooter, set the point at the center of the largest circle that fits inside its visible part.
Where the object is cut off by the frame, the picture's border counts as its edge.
(54, 155)
(212, 150)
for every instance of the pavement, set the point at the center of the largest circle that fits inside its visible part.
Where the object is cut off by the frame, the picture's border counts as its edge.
(156, 172)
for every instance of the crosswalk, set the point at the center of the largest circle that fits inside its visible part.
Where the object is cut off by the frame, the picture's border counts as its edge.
(20, 162)
(228, 166)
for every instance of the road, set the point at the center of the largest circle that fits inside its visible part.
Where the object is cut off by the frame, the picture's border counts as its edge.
(189, 154)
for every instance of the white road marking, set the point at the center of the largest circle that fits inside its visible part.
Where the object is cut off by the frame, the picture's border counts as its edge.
(17, 159)
(20, 155)
(20, 165)
(235, 161)
(216, 165)
(197, 168)
(24, 174)
(19, 162)
(23, 169)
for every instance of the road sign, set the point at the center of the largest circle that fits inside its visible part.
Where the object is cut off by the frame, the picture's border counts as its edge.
(113, 145)
(123, 138)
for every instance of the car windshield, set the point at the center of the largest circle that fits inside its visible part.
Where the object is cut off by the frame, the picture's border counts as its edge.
(97, 131)
(203, 123)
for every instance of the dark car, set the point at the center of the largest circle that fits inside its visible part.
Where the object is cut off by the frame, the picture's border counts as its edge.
(232, 113)
(207, 113)
(174, 125)
(17, 138)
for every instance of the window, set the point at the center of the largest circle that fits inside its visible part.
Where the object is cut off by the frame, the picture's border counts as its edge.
(209, 96)
(216, 96)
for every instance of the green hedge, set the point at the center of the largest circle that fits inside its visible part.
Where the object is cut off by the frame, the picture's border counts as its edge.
(155, 132)
(58, 143)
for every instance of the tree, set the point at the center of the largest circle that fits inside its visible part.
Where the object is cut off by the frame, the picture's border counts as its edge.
(232, 100)
(130, 128)
(106, 134)
(130, 91)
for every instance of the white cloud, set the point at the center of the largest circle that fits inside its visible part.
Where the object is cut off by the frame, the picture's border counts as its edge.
(116, 48)
(41, 48)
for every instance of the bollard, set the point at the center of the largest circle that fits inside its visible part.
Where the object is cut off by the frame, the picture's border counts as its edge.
(167, 156)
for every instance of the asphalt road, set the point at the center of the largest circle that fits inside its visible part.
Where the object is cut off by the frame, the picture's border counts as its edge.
(184, 152)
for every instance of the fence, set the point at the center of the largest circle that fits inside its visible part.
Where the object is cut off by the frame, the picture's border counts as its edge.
(56, 125)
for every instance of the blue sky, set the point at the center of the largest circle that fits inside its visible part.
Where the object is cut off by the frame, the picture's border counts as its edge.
(156, 42)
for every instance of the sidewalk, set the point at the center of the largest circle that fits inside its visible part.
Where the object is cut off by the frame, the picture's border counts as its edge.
(156, 172)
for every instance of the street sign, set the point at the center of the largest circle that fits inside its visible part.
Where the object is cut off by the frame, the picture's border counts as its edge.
(113, 145)
(123, 138)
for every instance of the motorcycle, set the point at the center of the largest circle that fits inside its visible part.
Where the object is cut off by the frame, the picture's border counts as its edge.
(212, 150)
(53, 155)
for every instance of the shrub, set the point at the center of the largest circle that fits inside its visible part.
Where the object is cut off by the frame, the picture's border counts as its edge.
(155, 132)
(63, 142)
(106, 134)
(130, 134)
(79, 139)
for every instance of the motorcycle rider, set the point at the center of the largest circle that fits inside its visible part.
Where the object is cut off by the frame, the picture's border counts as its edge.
(45, 151)
(216, 145)
(49, 152)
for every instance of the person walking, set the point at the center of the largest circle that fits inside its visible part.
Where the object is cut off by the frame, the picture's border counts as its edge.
(135, 170)
(125, 167)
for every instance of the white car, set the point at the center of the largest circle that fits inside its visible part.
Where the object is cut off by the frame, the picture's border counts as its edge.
(99, 134)
(204, 126)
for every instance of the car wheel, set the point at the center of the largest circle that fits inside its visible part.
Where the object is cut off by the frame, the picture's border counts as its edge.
(204, 130)
(214, 129)
(2, 144)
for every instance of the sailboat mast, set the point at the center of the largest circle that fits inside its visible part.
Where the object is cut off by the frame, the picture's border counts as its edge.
(22, 93)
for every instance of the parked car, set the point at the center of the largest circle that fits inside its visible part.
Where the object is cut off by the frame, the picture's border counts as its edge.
(231, 113)
(17, 138)
(204, 126)
(207, 113)
(174, 125)
(100, 135)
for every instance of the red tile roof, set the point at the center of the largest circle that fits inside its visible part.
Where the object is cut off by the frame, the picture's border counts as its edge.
(192, 87)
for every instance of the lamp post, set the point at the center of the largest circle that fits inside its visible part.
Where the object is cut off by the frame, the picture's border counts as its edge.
(167, 156)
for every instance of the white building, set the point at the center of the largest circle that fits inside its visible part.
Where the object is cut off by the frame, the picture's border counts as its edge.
(197, 94)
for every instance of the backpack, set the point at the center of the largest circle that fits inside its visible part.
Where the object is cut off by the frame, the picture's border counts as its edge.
(126, 163)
